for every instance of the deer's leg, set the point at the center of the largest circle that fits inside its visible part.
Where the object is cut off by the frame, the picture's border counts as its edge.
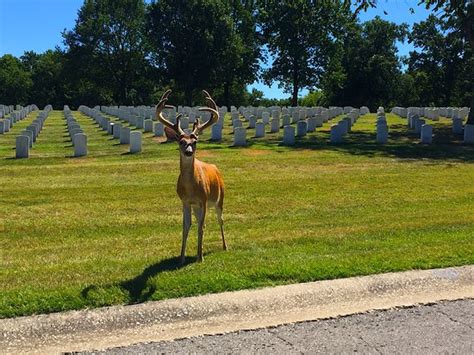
(221, 224)
(186, 226)
(200, 216)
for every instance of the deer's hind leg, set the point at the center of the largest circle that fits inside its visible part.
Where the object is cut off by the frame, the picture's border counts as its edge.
(219, 208)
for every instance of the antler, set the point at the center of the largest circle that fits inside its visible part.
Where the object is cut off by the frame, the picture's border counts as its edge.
(159, 114)
(212, 108)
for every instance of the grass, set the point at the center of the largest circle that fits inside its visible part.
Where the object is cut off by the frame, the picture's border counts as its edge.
(105, 229)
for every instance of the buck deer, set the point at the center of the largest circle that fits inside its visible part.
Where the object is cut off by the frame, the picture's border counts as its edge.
(199, 184)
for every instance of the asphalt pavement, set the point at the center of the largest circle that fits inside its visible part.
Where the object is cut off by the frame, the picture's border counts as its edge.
(444, 328)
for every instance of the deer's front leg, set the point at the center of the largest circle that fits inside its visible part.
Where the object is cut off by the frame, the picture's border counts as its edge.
(186, 226)
(200, 216)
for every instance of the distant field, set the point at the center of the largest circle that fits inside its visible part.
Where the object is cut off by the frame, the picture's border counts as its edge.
(106, 229)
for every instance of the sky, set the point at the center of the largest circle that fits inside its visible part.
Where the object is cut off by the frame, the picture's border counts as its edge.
(37, 25)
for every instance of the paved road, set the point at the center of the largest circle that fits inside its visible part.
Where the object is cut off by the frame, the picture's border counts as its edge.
(446, 327)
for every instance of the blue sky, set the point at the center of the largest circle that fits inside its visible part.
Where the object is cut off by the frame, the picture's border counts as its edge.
(37, 25)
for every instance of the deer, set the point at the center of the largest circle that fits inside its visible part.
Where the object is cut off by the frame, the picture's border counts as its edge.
(200, 185)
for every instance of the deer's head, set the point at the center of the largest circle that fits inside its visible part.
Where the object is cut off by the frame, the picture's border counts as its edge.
(187, 141)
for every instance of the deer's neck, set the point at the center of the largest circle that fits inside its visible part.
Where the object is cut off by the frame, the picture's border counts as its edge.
(186, 165)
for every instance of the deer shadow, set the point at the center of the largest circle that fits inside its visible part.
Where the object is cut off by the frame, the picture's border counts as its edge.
(139, 289)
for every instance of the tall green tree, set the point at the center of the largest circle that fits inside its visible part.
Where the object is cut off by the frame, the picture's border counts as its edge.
(107, 49)
(300, 37)
(459, 15)
(15, 81)
(204, 44)
(439, 63)
(368, 72)
(47, 75)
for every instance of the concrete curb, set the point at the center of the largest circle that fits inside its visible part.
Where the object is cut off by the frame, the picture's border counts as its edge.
(231, 311)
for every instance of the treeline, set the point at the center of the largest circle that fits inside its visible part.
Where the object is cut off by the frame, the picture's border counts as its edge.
(126, 52)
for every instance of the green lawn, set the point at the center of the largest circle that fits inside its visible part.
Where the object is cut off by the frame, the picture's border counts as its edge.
(106, 229)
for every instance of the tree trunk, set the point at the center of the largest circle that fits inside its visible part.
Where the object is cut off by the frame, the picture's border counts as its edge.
(294, 96)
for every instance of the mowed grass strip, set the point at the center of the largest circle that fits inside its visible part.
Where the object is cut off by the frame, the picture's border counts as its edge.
(106, 229)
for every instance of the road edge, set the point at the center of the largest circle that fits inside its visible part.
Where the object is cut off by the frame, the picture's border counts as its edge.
(231, 311)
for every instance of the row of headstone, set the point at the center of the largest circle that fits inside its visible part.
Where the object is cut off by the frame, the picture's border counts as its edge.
(27, 137)
(15, 116)
(124, 134)
(5, 110)
(381, 134)
(77, 135)
(344, 126)
(457, 115)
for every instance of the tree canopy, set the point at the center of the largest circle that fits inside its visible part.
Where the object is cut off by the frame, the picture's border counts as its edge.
(126, 52)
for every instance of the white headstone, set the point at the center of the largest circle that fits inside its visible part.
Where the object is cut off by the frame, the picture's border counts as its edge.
(275, 125)
(117, 129)
(80, 144)
(336, 134)
(135, 142)
(148, 126)
(457, 126)
(240, 136)
(216, 132)
(469, 134)
(426, 134)
(259, 130)
(158, 129)
(382, 132)
(301, 128)
(125, 135)
(22, 146)
(288, 135)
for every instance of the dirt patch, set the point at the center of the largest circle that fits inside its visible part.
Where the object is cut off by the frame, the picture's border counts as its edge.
(205, 154)
(255, 152)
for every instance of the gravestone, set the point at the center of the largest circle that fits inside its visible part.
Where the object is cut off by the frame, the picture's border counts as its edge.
(117, 129)
(80, 144)
(139, 122)
(148, 125)
(311, 124)
(30, 136)
(266, 117)
(135, 142)
(260, 129)
(158, 129)
(382, 132)
(288, 135)
(301, 128)
(236, 124)
(216, 132)
(125, 135)
(22, 147)
(469, 134)
(344, 127)
(426, 134)
(457, 126)
(336, 134)
(286, 120)
(252, 121)
(240, 136)
(274, 125)
(2, 127)
(418, 124)
(183, 123)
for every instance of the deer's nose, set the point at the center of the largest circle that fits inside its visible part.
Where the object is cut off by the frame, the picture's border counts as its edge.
(189, 149)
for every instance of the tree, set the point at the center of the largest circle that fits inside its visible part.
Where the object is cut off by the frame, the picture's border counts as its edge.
(438, 63)
(15, 81)
(107, 52)
(368, 70)
(47, 73)
(299, 35)
(204, 44)
(459, 15)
